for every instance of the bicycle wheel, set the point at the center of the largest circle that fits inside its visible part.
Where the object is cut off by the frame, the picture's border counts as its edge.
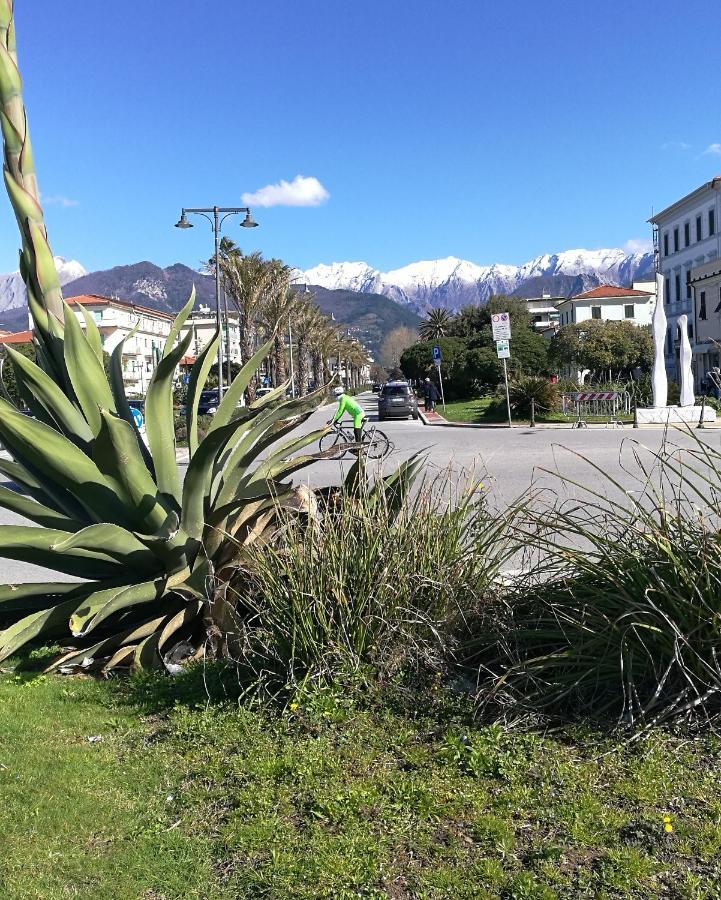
(330, 440)
(377, 445)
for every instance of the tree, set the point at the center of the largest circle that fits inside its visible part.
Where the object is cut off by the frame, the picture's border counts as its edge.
(417, 364)
(394, 343)
(378, 373)
(603, 347)
(8, 370)
(435, 325)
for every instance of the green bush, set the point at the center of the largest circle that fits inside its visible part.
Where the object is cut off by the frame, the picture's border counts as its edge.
(524, 389)
(620, 613)
(369, 584)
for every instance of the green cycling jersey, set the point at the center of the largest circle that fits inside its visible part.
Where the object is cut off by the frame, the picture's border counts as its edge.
(352, 407)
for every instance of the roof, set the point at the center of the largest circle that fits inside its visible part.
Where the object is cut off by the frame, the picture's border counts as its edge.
(714, 183)
(610, 291)
(18, 337)
(100, 300)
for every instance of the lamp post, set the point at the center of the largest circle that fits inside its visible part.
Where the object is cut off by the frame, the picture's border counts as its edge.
(216, 223)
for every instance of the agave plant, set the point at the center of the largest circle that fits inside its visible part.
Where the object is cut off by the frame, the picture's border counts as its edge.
(149, 546)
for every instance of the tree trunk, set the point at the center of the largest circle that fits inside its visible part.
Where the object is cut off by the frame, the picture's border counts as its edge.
(279, 374)
(302, 369)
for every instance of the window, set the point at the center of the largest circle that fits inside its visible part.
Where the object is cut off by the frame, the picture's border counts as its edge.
(698, 228)
(595, 312)
(688, 284)
(702, 305)
(665, 244)
(675, 240)
(628, 311)
(678, 288)
(686, 234)
(690, 331)
(711, 222)
(667, 292)
(669, 342)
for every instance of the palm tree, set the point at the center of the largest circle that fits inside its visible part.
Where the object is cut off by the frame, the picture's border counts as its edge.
(307, 320)
(435, 325)
(323, 343)
(273, 320)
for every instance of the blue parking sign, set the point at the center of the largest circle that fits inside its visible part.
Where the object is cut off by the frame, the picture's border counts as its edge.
(436, 353)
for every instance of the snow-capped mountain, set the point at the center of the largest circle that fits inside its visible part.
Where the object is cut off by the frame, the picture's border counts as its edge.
(13, 297)
(453, 282)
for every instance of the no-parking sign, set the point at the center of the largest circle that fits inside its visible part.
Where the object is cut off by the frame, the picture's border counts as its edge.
(501, 326)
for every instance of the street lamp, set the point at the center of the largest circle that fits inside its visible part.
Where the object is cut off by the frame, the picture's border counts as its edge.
(216, 223)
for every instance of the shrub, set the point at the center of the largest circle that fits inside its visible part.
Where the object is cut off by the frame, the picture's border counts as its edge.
(525, 388)
(621, 613)
(370, 583)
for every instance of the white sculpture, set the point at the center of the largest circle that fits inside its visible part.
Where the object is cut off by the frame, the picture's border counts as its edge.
(687, 395)
(658, 325)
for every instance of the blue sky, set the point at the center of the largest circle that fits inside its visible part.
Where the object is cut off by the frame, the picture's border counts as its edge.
(489, 131)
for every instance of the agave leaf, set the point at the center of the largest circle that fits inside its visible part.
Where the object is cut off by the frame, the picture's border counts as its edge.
(121, 658)
(53, 498)
(45, 623)
(146, 656)
(45, 273)
(23, 202)
(97, 606)
(200, 472)
(188, 613)
(198, 377)
(92, 333)
(271, 397)
(27, 543)
(51, 398)
(119, 459)
(229, 404)
(159, 419)
(86, 373)
(116, 542)
(42, 450)
(36, 512)
(27, 598)
(117, 386)
(178, 323)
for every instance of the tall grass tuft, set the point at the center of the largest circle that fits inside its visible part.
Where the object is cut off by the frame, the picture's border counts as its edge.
(370, 584)
(620, 616)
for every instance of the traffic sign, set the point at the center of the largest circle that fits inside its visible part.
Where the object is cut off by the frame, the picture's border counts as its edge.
(138, 416)
(501, 326)
(436, 354)
(503, 349)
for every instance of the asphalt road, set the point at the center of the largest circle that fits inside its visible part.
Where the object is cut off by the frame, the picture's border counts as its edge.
(507, 461)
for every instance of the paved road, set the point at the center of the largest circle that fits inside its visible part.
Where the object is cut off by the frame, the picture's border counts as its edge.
(507, 461)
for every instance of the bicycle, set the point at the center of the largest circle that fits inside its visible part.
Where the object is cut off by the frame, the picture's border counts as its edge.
(375, 444)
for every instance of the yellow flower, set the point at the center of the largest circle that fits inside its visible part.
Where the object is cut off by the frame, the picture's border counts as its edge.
(667, 819)
(668, 828)
(293, 707)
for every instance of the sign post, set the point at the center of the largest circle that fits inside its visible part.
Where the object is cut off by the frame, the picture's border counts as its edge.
(501, 327)
(437, 362)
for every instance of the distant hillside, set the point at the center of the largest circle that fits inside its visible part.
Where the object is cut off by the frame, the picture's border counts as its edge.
(369, 317)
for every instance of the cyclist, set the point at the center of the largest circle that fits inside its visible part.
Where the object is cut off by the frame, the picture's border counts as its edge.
(353, 408)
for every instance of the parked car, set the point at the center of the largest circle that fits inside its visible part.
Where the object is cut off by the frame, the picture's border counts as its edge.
(208, 402)
(396, 400)
(376, 387)
(262, 391)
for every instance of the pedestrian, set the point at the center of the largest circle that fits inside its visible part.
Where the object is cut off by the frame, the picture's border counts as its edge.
(430, 395)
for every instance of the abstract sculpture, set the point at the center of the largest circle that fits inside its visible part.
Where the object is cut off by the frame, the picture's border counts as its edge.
(658, 325)
(687, 395)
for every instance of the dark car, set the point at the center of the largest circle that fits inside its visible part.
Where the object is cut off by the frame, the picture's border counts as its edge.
(397, 401)
(376, 387)
(208, 402)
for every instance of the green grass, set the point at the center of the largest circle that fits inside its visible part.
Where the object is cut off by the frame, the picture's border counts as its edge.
(331, 798)
(486, 410)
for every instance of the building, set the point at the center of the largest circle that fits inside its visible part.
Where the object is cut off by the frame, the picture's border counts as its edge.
(705, 283)
(609, 303)
(686, 237)
(543, 312)
(203, 324)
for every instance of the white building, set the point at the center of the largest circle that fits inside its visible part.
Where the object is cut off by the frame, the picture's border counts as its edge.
(686, 236)
(203, 325)
(544, 312)
(608, 303)
(705, 281)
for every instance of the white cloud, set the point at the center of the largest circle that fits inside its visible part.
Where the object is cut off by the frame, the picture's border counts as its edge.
(59, 200)
(676, 145)
(638, 245)
(714, 149)
(301, 191)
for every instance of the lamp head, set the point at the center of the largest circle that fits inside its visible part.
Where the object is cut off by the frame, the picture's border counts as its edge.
(183, 221)
(248, 221)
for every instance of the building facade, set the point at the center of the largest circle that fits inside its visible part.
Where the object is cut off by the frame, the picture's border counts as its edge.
(608, 303)
(544, 312)
(686, 237)
(203, 325)
(705, 282)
